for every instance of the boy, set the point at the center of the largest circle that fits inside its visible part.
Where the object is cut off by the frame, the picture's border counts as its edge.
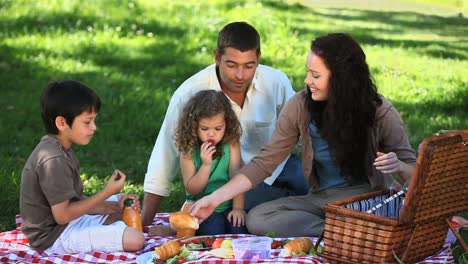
(56, 216)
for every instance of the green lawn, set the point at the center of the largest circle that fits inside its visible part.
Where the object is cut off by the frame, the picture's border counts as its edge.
(135, 54)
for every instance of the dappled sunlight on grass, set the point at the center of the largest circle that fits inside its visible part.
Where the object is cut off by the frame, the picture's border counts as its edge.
(136, 53)
(94, 184)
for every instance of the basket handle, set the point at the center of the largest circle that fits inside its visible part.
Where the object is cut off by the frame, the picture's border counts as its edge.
(457, 235)
(318, 242)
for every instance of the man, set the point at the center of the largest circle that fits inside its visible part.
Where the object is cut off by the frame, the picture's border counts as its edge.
(257, 94)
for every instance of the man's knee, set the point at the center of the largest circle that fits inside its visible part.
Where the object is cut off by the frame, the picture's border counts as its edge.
(256, 223)
(133, 239)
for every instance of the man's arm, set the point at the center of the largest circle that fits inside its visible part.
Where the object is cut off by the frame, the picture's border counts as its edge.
(162, 166)
(151, 204)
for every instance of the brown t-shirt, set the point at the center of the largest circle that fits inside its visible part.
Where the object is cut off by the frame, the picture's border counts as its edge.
(50, 176)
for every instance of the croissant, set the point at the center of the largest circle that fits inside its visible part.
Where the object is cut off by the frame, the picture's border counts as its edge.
(167, 250)
(183, 223)
(298, 245)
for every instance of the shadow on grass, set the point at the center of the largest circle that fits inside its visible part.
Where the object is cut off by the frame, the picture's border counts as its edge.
(385, 22)
(136, 89)
(139, 86)
(433, 115)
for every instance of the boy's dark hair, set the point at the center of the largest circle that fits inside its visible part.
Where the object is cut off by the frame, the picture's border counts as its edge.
(67, 98)
(240, 36)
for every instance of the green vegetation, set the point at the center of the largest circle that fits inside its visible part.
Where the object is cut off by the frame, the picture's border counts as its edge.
(136, 53)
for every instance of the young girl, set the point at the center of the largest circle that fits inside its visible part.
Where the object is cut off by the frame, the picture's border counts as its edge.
(207, 136)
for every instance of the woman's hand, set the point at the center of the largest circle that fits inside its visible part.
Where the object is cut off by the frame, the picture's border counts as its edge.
(237, 217)
(204, 207)
(206, 153)
(387, 163)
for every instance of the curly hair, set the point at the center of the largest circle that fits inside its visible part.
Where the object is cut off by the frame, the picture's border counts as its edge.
(205, 104)
(346, 119)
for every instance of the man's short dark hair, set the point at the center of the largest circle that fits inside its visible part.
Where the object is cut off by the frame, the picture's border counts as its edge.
(240, 36)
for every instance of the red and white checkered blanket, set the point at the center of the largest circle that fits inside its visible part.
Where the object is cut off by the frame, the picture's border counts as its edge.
(14, 248)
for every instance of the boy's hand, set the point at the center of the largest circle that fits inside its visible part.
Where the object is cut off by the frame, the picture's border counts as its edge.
(134, 197)
(115, 183)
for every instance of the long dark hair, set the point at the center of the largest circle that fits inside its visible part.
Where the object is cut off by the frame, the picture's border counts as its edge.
(346, 119)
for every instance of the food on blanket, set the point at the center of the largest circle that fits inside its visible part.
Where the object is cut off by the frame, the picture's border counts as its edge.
(227, 243)
(277, 244)
(217, 243)
(186, 206)
(296, 246)
(252, 248)
(167, 250)
(313, 252)
(183, 223)
(181, 257)
(222, 252)
(197, 243)
(208, 242)
(130, 216)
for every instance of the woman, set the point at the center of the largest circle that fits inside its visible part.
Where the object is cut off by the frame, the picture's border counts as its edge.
(351, 138)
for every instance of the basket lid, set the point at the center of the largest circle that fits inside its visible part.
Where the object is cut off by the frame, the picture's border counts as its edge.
(439, 184)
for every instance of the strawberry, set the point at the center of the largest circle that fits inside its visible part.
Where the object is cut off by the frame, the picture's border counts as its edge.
(208, 242)
(276, 244)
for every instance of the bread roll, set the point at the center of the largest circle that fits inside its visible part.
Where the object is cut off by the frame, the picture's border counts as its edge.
(182, 220)
(296, 246)
(167, 250)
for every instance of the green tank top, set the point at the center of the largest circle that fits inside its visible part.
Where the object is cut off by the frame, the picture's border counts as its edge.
(219, 175)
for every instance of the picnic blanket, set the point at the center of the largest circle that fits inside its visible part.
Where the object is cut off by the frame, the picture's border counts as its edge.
(14, 248)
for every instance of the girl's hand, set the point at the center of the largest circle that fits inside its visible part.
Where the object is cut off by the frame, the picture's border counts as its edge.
(206, 153)
(124, 196)
(115, 183)
(237, 217)
(387, 163)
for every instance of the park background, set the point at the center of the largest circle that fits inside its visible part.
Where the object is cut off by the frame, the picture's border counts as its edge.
(134, 54)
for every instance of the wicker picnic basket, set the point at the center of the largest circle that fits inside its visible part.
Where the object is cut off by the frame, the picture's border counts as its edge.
(437, 191)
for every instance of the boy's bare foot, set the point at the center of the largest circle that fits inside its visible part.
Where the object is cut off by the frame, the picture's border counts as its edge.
(160, 230)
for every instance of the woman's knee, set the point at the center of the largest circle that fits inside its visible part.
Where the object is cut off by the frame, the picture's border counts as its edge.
(133, 239)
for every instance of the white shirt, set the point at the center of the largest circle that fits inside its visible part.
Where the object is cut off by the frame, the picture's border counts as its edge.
(266, 96)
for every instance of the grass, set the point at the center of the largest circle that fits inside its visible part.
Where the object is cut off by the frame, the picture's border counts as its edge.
(136, 53)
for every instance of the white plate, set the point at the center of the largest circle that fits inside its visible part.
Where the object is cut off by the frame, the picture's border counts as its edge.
(145, 258)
